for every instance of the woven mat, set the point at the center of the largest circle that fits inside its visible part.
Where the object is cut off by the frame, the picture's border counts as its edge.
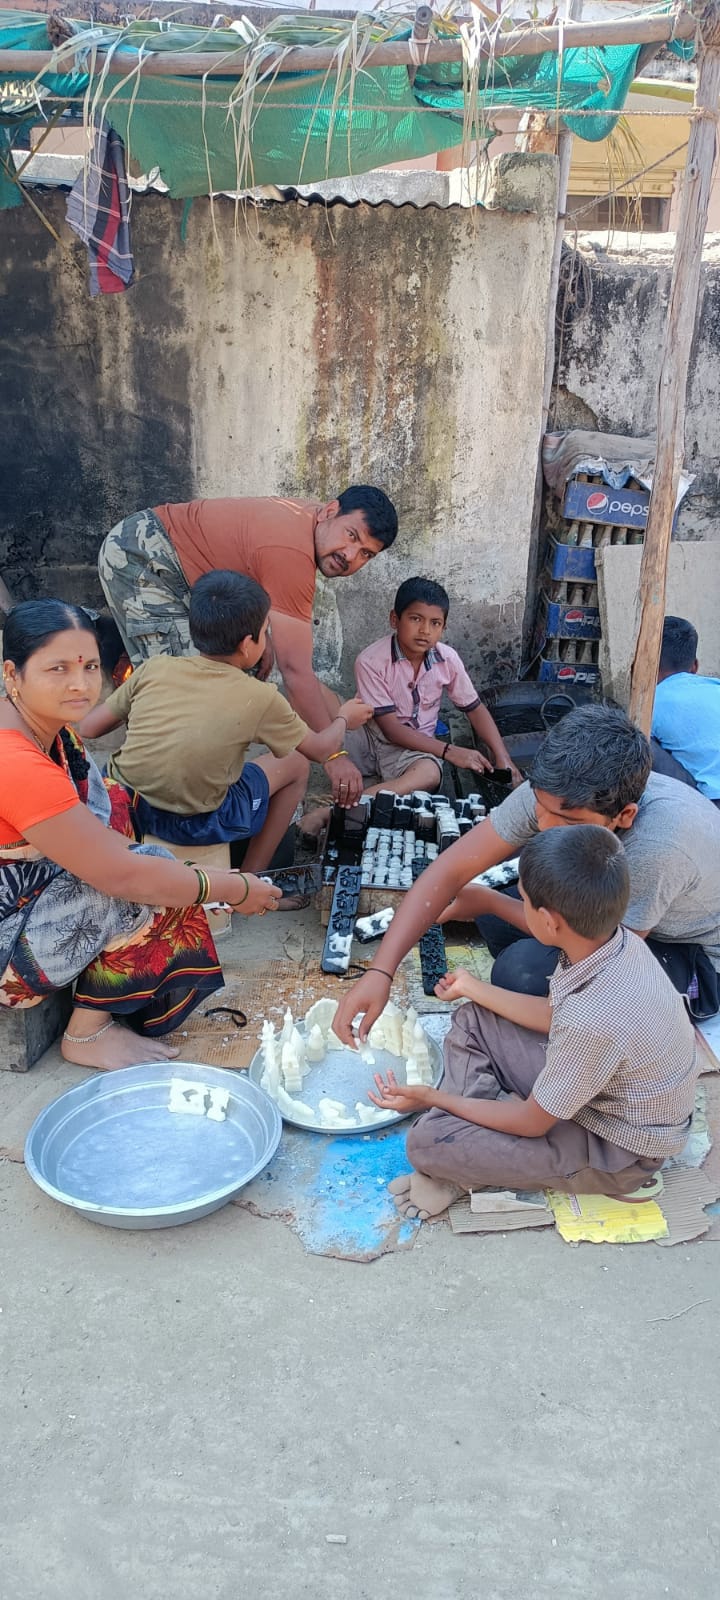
(262, 991)
(475, 957)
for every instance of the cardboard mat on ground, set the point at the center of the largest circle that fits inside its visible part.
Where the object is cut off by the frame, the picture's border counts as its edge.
(688, 1207)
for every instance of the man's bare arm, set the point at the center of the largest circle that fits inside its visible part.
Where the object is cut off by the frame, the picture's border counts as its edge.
(293, 645)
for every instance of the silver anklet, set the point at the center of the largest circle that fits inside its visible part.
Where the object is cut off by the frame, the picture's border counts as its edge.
(88, 1038)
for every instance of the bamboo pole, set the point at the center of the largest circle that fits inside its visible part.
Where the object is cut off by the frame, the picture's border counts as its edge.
(677, 346)
(395, 53)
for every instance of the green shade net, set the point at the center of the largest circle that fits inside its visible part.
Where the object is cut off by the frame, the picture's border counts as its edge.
(291, 128)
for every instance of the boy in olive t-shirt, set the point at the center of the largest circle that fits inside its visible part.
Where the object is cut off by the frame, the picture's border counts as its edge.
(190, 720)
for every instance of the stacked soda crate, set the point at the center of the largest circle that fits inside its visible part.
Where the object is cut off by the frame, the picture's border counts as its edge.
(567, 633)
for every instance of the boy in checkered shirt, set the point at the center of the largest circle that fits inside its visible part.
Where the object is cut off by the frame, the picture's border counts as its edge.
(589, 1090)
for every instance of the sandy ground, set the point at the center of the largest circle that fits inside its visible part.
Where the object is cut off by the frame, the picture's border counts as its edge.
(187, 1414)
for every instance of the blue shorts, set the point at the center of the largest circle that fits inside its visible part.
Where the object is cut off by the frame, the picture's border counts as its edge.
(240, 816)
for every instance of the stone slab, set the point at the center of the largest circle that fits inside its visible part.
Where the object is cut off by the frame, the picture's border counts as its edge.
(25, 1034)
(693, 591)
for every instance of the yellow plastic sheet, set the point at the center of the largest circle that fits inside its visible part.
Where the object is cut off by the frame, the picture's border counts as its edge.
(598, 1220)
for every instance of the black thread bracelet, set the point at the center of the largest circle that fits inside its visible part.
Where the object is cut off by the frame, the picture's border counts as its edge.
(383, 974)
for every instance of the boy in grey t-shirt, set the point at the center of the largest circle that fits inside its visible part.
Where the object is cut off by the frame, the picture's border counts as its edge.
(593, 767)
(595, 763)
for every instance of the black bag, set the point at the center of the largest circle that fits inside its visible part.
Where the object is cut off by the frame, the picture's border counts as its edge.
(691, 971)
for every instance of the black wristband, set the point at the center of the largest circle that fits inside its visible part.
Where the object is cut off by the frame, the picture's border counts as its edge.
(446, 747)
(383, 974)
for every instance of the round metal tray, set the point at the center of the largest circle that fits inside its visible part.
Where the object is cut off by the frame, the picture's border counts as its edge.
(343, 1075)
(113, 1150)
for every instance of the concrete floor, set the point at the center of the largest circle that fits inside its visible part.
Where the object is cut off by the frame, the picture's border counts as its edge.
(187, 1414)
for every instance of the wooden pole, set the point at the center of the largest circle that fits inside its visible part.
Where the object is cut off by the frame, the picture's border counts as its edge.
(318, 58)
(564, 150)
(679, 331)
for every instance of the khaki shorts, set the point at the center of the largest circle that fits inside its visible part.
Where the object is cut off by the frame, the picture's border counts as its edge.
(376, 757)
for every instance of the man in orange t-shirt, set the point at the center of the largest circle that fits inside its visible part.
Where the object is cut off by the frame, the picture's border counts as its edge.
(149, 561)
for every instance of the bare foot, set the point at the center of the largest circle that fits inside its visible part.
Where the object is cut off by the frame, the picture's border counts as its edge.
(114, 1049)
(421, 1197)
(312, 824)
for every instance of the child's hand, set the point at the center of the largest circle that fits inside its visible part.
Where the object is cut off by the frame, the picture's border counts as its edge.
(393, 1096)
(468, 760)
(355, 712)
(459, 985)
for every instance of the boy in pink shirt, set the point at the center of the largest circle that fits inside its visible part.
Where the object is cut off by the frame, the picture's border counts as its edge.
(403, 676)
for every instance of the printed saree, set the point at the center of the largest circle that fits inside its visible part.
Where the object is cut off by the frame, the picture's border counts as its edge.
(150, 966)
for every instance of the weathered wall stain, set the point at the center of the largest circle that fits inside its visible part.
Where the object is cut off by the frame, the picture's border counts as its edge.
(308, 350)
(609, 365)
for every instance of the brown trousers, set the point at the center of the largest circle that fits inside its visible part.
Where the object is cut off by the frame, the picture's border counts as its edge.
(487, 1057)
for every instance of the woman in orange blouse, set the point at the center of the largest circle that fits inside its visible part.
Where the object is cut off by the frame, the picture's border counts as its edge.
(78, 900)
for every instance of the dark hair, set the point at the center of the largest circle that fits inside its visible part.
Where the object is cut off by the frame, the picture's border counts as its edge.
(595, 759)
(33, 622)
(379, 512)
(29, 626)
(225, 608)
(426, 591)
(678, 652)
(579, 873)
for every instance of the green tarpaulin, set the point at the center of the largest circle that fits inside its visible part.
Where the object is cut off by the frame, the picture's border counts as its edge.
(289, 128)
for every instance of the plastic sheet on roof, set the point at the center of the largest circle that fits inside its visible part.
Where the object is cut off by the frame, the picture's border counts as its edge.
(210, 134)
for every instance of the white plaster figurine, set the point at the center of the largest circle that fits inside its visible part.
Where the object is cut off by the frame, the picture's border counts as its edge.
(315, 1045)
(291, 1069)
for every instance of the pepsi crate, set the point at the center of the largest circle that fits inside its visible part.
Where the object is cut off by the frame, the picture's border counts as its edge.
(557, 620)
(565, 672)
(578, 594)
(614, 508)
(570, 563)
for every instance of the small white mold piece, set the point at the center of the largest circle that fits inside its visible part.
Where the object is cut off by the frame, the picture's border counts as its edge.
(333, 1043)
(315, 1046)
(392, 1021)
(298, 1044)
(219, 1101)
(287, 1027)
(366, 1053)
(374, 927)
(321, 1015)
(376, 1036)
(421, 1053)
(333, 1114)
(369, 1114)
(408, 1031)
(294, 1108)
(291, 1069)
(187, 1097)
(271, 1066)
(500, 876)
(413, 1075)
(198, 1100)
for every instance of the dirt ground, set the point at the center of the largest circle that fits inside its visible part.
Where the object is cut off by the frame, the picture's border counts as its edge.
(187, 1414)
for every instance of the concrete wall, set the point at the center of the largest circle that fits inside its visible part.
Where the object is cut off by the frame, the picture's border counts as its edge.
(295, 350)
(609, 361)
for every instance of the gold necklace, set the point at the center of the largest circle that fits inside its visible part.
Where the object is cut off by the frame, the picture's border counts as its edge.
(31, 732)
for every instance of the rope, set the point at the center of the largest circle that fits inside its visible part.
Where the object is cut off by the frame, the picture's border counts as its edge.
(692, 112)
(611, 193)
